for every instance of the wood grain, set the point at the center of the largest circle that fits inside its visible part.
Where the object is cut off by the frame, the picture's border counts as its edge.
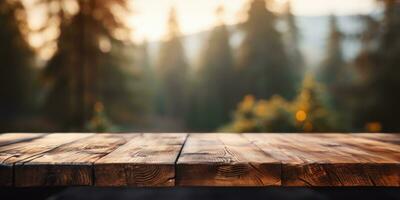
(311, 160)
(216, 159)
(372, 147)
(10, 138)
(383, 137)
(68, 165)
(147, 160)
(22, 151)
(225, 160)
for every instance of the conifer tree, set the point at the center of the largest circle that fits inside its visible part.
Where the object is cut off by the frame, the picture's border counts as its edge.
(293, 38)
(378, 101)
(334, 73)
(172, 69)
(16, 57)
(264, 69)
(147, 78)
(216, 87)
(333, 67)
(87, 67)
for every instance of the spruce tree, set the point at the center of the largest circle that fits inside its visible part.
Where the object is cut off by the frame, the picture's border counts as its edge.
(216, 87)
(87, 67)
(293, 38)
(172, 69)
(333, 67)
(264, 68)
(16, 71)
(378, 101)
(334, 73)
(147, 77)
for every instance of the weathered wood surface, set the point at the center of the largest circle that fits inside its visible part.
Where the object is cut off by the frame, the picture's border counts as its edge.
(147, 160)
(225, 160)
(389, 138)
(18, 152)
(331, 159)
(199, 159)
(70, 164)
(10, 138)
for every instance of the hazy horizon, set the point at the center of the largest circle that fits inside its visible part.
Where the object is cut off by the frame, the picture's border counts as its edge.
(148, 21)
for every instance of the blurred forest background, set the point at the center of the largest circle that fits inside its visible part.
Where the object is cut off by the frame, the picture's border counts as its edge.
(95, 78)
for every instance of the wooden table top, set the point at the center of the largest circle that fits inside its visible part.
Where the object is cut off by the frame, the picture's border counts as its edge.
(212, 159)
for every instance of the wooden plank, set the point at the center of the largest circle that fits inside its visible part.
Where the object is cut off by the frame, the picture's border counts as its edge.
(383, 137)
(147, 160)
(382, 172)
(13, 153)
(10, 138)
(225, 160)
(313, 161)
(375, 147)
(68, 165)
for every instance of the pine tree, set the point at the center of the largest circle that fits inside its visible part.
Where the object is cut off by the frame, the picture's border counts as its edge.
(216, 87)
(334, 73)
(147, 79)
(379, 100)
(333, 68)
(172, 69)
(16, 71)
(293, 38)
(87, 68)
(120, 88)
(264, 69)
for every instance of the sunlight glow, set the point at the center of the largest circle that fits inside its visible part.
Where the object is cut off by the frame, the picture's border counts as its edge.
(197, 15)
(149, 18)
(193, 15)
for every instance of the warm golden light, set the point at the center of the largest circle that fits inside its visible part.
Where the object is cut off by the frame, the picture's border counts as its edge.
(301, 116)
(374, 127)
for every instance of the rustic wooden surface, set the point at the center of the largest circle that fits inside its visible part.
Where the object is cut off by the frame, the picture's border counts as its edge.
(10, 138)
(331, 160)
(147, 160)
(216, 159)
(69, 164)
(225, 160)
(18, 152)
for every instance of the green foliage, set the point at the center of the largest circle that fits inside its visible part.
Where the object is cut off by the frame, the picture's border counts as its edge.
(99, 122)
(16, 72)
(262, 60)
(309, 112)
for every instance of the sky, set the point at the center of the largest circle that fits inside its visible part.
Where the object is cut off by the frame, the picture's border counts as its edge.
(150, 16)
